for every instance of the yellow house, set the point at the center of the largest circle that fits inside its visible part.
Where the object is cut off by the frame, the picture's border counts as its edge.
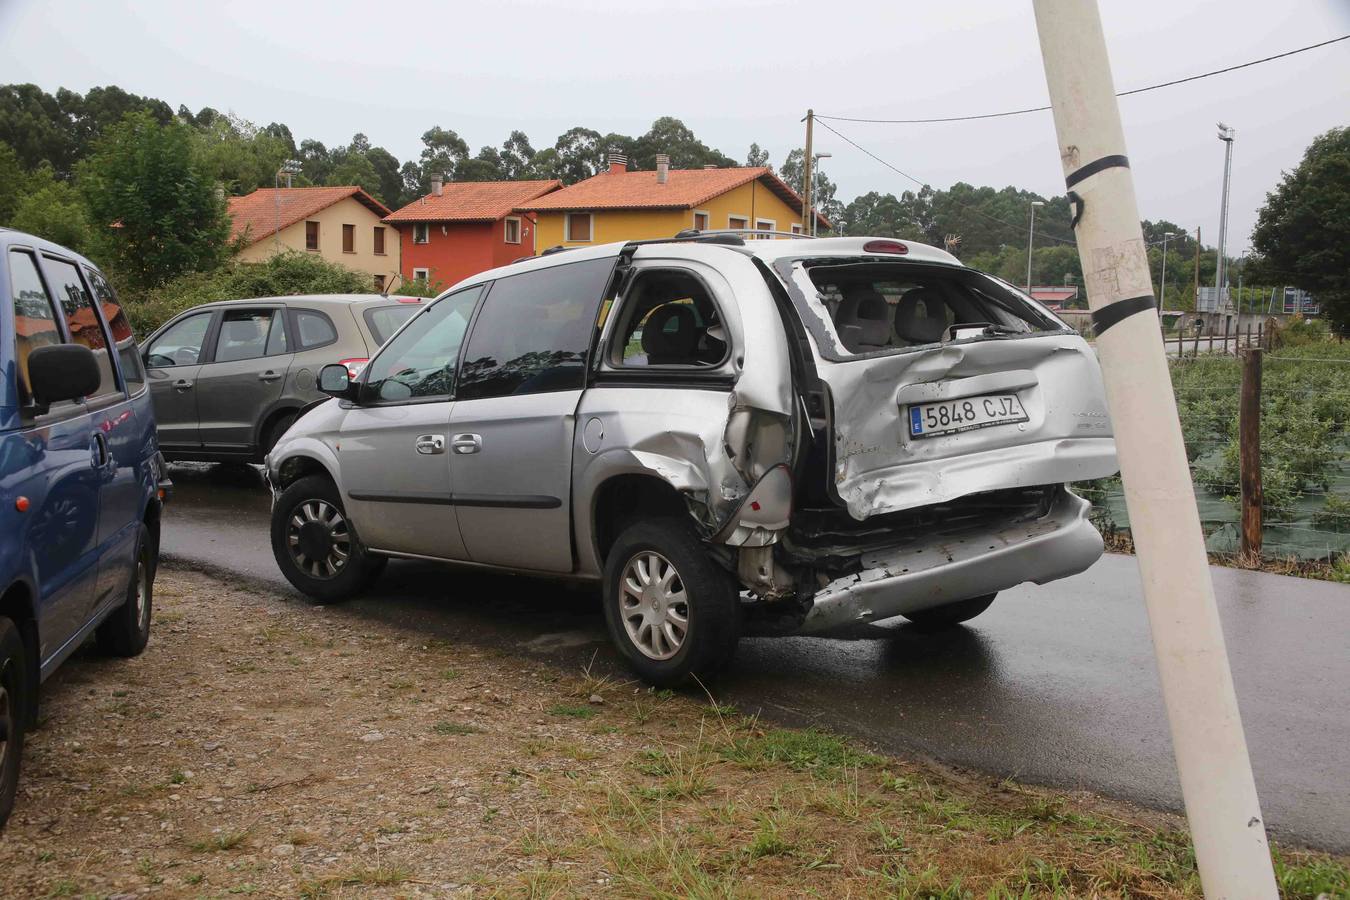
(619, 205)
(340, 224)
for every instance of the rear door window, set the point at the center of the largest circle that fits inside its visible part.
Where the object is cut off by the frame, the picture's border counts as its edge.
(85, 326)
(314, 329)
(534, 331)
(248, 334)
(669, 319)
(120, 328)
(35, 322)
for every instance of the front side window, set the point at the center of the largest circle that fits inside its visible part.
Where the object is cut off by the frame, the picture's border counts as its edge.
(419, 363)
(669, 319)
(512, 230)
(120, 327)
(315, 328)
(34, 318)
(81, 319)
(421, 233)
(247, 334)
(578, 226)
(180, 344)
(534, 331)
(311, 235)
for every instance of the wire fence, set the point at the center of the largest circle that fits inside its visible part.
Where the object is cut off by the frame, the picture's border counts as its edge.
(1304, 450)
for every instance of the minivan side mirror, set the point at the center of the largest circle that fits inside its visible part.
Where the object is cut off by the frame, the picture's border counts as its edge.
(335, 380)
(59, 372)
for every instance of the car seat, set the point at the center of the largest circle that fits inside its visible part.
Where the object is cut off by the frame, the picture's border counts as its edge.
(864, 321)
(670, 336)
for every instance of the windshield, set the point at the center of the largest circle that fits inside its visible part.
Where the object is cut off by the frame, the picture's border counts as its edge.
(860, 307)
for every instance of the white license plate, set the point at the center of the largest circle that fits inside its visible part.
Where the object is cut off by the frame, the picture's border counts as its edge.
(930, 419)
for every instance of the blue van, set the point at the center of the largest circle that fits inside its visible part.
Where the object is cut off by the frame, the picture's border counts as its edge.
(82, 483)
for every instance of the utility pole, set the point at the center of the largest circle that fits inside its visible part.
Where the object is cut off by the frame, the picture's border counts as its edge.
(1231, 849)
(807, 198)
(1031, 240)
(1196, 260)
(1162, 289)
(1226, 135)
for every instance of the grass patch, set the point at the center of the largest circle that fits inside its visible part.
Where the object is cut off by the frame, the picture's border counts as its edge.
(219, 843)
(816, 752)
(451, 728)
(572, 711)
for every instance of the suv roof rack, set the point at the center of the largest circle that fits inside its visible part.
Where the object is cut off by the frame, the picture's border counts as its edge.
(558, 248)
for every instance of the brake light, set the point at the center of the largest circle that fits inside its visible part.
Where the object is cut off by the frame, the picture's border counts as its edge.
(885, 247)
(354, 366)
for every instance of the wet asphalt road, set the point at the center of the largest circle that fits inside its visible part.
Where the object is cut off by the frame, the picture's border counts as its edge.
(1054, 685)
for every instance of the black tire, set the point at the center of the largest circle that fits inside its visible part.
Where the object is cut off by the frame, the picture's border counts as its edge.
(950, 615)
(275, 431)
(311, 562)
(126, 631)
(711, 606)
(14, 700)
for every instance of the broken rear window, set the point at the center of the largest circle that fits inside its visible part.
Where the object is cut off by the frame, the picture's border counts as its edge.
(860, 307)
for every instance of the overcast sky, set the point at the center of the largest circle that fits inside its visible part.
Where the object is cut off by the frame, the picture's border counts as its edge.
(735, 71)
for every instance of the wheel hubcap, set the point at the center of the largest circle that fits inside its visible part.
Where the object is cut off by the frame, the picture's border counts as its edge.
(318, 539)
(142, 592)
(7, 713)
(653, 605)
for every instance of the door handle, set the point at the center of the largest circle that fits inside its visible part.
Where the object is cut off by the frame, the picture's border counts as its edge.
(98, 451)
(466, 443)
(182, 384)
(269, 375)
(430, 444)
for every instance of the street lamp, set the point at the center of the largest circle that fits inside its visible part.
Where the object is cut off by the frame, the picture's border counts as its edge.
(1162, 291)
(288, 168)
(1226, 135)
(1031, 237)
(815, 187)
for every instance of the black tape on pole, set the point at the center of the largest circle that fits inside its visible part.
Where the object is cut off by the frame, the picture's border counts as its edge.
(1112, 313)
(1092, 168)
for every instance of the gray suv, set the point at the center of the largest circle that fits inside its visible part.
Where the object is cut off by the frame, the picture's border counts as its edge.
(730, 436)
(227, 379)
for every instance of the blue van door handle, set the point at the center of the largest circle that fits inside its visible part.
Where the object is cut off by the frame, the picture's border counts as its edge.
(99, 450)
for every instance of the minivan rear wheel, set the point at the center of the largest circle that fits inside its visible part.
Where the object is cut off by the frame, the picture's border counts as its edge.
(951, 614)
(316, 546)
(672, 612)
(13, 705)
(126, 631)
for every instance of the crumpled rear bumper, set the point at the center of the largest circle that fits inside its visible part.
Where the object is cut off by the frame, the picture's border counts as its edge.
(970, 564)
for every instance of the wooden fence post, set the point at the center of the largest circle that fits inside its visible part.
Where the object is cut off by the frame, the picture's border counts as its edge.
(1249, 452)
(1195, 350)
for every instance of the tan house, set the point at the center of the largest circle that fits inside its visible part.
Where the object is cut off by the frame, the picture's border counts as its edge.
(341, 224)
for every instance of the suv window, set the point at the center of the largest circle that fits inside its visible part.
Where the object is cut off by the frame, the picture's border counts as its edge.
(670, 319)
(247, 334)
(534, 331)
(419, 363)
(315, 328)
(181, 344)
(123, 338)
(83, 322)
(34, 318)
(385, 320)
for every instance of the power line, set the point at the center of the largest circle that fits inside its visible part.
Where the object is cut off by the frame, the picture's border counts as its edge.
(1032, 109)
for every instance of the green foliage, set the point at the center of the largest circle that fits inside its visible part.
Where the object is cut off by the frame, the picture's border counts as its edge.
(53, 210)
(419, 287)
(1300, 332)
(285, 274)
(152, 202)
(239, 155)
(1302, 234)
(1334, 514)
(12, 182)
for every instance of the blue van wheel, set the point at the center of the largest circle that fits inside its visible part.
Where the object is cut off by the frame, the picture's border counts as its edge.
(13, 704)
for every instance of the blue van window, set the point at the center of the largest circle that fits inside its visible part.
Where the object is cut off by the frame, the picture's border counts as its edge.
(83, 322)
(34, 319)
(123, 339)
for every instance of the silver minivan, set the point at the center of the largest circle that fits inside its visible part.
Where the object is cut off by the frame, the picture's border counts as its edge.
(228, 378)
(731, 436)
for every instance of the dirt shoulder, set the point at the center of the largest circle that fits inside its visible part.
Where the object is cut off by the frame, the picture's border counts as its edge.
(269, 748)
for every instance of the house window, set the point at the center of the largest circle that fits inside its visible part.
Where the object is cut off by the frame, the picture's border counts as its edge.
(738, 223)
(348, 238)
(796, 227)
(578, 227)
(512, 230)
(421, 233)
(702, 221)
(311, 235)
(422, 274)
(766, 226)
(379, 242)
(379, 279)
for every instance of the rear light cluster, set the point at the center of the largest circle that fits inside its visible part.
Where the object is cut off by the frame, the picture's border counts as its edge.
(885, 247)
(354, 366)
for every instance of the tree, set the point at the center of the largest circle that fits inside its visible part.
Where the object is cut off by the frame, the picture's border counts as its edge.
(581, 153)
(390, 192)
(442, 152)
(517, 158)
(52, 209)
(757, 156)
(1302, 234)
(12, 182)
(671, 136)
(240, 156)
(152, 202)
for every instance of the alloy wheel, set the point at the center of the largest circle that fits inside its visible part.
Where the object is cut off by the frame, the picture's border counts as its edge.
(319, 539)
(653, 605)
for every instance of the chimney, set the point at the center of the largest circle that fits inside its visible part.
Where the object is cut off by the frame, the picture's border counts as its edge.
(710, 166)
(436, 182)
(662, 168)
(618, 163)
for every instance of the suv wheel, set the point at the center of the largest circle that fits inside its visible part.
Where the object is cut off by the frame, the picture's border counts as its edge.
(126, 631)
(13, 694)
(316, 546)
(670, 609)
(275, 432)
(940, 617)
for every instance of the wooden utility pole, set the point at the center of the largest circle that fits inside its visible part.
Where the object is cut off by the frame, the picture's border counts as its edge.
(1249, 451)
(1196, 260)
(808, 197)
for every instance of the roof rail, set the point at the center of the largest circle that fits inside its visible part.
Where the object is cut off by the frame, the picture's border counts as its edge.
(693, 233)
(559, 248)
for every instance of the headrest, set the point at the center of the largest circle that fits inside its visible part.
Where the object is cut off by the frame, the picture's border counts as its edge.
(864, 321)
(670, 334)
(917, 326)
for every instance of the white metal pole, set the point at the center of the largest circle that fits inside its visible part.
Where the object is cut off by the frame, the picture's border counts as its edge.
(1031, 240)
(1162, 288)
(1216, 778)
(1226, 135)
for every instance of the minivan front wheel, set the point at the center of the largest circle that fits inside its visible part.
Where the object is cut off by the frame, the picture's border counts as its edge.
(315, 544)
(951, 614)
(672, 612)
(13, 694)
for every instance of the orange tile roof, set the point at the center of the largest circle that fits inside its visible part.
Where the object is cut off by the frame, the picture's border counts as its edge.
(255, 214)
(473, 201)
(684, 189)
